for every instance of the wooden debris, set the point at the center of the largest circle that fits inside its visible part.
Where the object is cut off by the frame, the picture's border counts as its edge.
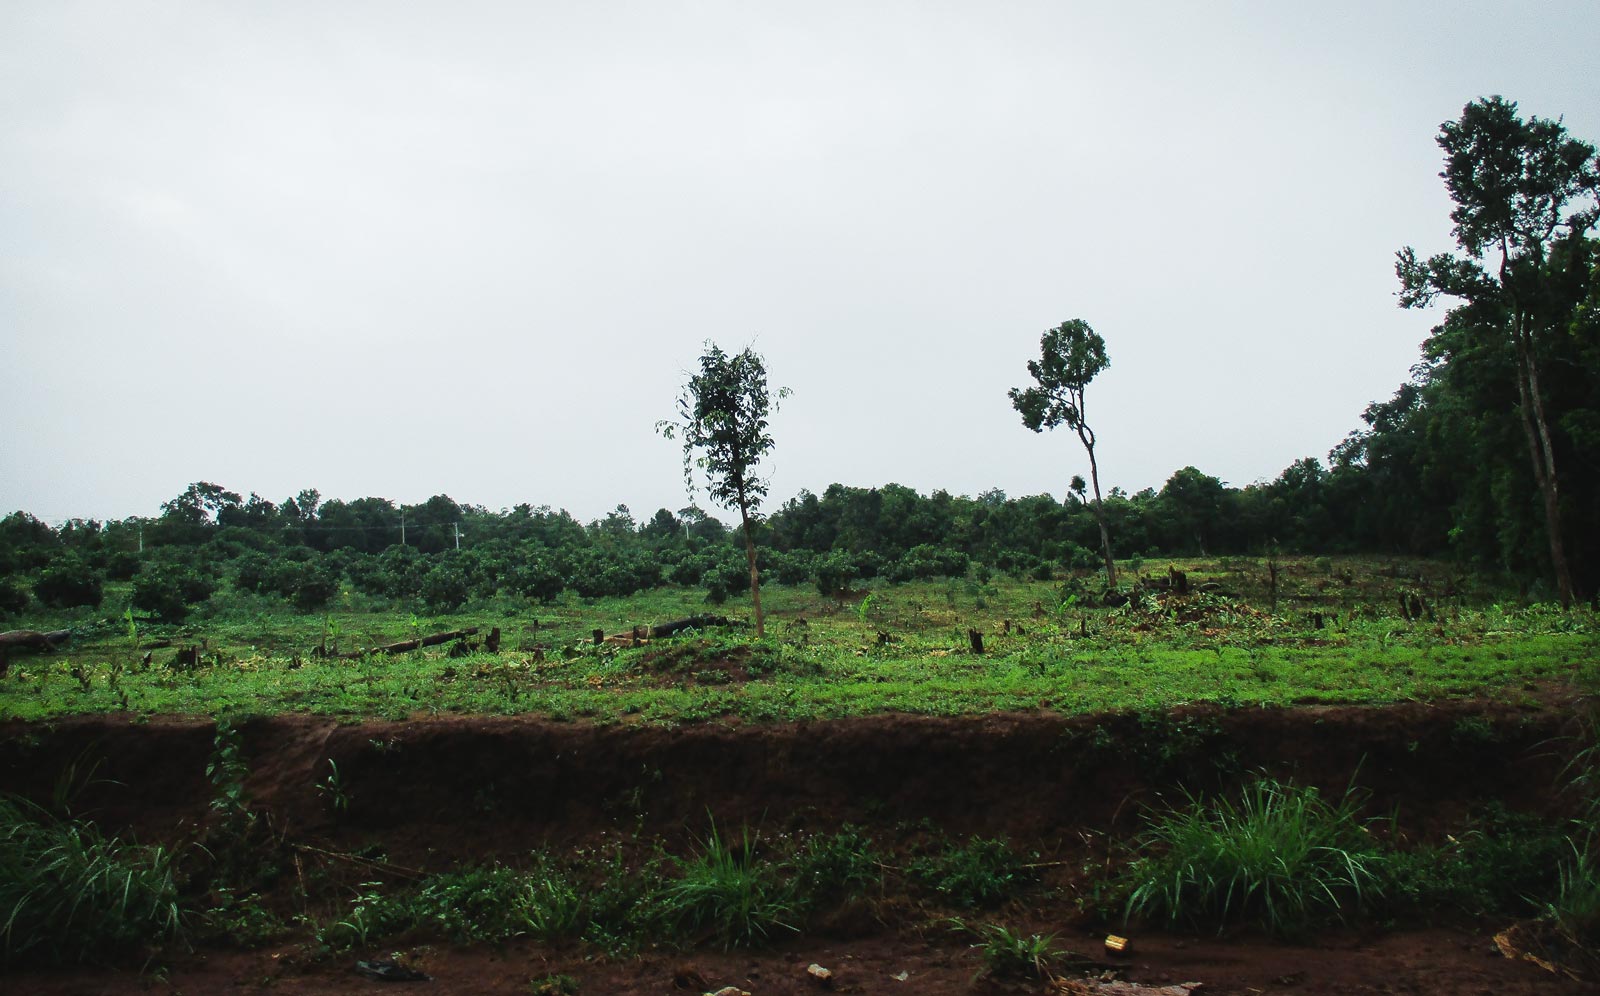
(1514, 944)
(642, 634)
(29, 640)
(32, 639)
(406, 646)
(1097, 987)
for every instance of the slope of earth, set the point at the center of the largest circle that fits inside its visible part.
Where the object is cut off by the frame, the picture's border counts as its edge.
(429, 795)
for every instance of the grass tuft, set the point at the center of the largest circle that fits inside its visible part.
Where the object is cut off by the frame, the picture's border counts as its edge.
(728, 891)
(68, 894)
(1280, 856)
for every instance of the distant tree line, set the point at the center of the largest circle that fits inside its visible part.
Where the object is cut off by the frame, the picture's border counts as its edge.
(306, 551)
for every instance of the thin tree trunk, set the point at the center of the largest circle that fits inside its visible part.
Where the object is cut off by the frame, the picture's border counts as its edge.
(1542, 453)
(755, 578)
(1087, 436)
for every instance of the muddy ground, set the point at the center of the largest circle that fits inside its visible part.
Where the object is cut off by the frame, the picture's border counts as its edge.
(433, 792)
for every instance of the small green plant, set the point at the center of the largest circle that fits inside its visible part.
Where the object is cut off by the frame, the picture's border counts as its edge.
(1013, 954)
(1575, 910)
(726, 890)
(241, 921)
(976, 874)
(333, 788)
(226, 770)
(75, 778)
(1471, 731)
(368, 918)
(331, 631)
(624, 901)
(549, 903)
(864, 610)
(553, 985)
(1281, 856)
(835, 866)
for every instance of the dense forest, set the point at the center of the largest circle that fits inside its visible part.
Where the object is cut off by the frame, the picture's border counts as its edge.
(1489, 455)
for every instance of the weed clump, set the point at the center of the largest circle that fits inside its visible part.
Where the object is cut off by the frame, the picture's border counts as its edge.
(725, 889)
(1281, 856)
(835, 867)
(68, 894)
(973, 875)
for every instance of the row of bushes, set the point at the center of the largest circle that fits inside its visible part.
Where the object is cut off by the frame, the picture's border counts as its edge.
(167, 584)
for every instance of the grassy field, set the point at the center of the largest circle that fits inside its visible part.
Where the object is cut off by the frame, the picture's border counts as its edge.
(1328, 631)
(1273, 854)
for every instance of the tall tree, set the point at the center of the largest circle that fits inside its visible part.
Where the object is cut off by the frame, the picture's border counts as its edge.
(1525, 202)
(1071, 355)
(722, 413)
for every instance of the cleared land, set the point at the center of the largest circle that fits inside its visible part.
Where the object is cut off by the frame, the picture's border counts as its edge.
(862, 790)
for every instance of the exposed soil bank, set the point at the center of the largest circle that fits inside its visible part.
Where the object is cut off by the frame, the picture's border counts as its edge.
(473, 786)
(436, 791)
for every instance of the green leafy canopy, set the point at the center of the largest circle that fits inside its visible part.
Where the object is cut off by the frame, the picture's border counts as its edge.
(723, 413)
(1072, 355)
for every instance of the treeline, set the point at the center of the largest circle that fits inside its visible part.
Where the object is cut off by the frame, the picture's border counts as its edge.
(307, 551)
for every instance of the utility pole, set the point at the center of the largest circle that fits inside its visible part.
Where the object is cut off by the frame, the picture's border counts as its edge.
(402, 528)
(457, 526)
(141, 537)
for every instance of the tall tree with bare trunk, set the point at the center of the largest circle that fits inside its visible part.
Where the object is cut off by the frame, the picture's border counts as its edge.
(1525, 195)
(1071, 355)
(722, 416)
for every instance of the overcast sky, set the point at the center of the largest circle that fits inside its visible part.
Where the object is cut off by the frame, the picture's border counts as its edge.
(402, 249)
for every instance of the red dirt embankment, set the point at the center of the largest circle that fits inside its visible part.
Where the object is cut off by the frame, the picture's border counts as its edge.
(472, 786)
(431, 792)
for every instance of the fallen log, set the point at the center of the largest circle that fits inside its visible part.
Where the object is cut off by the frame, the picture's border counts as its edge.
(692, 622)
(28, 639)
(639, 634)
(32, 639)
(406, 646)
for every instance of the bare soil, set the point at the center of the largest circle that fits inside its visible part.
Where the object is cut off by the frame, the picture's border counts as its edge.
(434, 792)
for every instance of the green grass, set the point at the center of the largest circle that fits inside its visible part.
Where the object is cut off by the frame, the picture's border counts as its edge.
(1280, 856)
(1209, 647)
(1497, 864)
(977, 873)
(728, 892)
(70, 895)
(1011, 953)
